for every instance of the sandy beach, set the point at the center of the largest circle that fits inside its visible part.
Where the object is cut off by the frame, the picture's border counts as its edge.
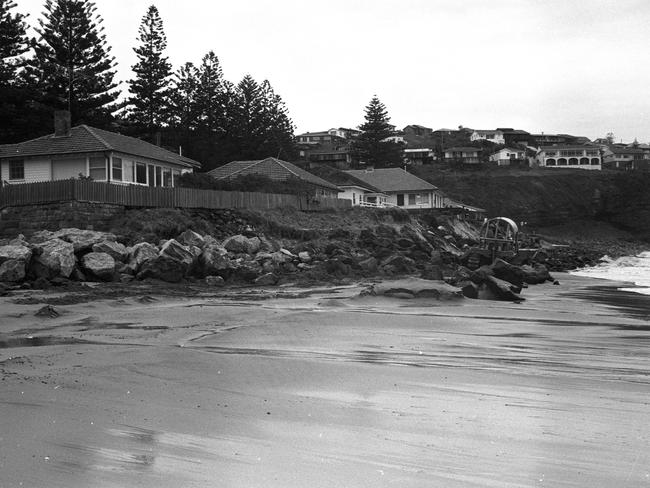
(322, 388)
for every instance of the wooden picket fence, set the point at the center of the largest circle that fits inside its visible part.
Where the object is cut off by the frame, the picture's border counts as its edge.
(144, 196)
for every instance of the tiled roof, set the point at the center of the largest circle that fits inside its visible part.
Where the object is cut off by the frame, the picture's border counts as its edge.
(342, 178)
(462, 149)
(84, 139)
(507, 149)
(625, 150)
(391, 179)
(322, 133)
(556, 147)
(276, 169)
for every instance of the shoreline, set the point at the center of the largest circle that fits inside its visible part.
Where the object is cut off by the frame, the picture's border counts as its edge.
(293, 387)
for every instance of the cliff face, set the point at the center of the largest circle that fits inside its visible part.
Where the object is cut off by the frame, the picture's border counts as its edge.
(542, 199)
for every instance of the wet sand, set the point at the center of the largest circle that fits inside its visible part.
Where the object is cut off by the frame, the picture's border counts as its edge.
(328, 390)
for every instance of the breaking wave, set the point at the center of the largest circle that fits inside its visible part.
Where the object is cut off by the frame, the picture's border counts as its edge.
(634, 269)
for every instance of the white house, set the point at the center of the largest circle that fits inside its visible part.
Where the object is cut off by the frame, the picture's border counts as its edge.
(401, 188)
(569, 156)
(495, 136)
(91, 152)
(505, 156)
(465, 155)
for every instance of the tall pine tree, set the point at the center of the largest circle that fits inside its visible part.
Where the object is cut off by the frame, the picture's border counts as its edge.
(72, 63)
(147, 106)
(261, 123)
(183, 112)
(211, 116)
(370, 147)
(13, 42)
(16, 121)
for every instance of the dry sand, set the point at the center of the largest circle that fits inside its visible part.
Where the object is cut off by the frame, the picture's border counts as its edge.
(327, 390)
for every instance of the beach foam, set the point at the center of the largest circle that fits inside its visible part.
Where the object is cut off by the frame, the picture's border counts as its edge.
(634, 269)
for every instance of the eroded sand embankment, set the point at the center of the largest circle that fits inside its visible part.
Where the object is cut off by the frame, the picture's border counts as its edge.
(325, 390)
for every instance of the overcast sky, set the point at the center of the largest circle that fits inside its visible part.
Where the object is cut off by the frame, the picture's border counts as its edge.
(573, 66)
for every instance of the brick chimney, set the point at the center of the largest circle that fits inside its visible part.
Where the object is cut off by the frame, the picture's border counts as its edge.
(61, 123)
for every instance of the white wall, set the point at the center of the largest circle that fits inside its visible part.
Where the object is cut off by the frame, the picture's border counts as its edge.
(353, 194)
(63, 169)
(435, 200)
(35, 170)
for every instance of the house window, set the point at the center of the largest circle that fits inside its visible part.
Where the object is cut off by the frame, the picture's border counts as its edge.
(159, 176)
(17, 170)
(140, 173)
(152, 175)
(116, 175)
(176, 174)
(128, 170)
(424, 199)
(167, 177)
(411, 198)
(97, 168)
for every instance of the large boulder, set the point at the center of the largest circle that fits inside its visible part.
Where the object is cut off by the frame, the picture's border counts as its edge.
(534, 275)
(497, 289)
(481, 274)
(175, 250)
(99, 264)
(397, 263)
(213, 260)
(214, 281)
(56, 259)
(140, 254)
(191, 238)
(508, 272)
(12, 271)
(242, 244)
(282, 256)
(267, 279)
(415, 288)
(163, 268)
(247, 271)
(115, 249)
(469, 289)
(337, 268)
(17, 252)
(369, 265)
(83, 240)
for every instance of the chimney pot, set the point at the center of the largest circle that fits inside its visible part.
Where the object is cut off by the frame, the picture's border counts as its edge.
(61, 123)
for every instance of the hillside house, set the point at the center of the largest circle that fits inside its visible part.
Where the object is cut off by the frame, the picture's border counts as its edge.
(625, 158)
(569, 156)
(402, 189)
(418, 155)
(539, 140)
(495, 136)
(330, 147)
(277, 170)
(360, 193)
(507, 156)
(417, 130)
(85, 151)
(515, 136)
(463, 155)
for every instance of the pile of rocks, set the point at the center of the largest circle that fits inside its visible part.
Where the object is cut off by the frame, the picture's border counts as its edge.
(85, 255)
(54, 258)
(500, 280)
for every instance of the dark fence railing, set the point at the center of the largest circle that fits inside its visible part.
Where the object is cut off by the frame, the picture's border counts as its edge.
(144, 196)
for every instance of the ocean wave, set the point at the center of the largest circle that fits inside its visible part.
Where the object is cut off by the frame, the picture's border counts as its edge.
(632, 269)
